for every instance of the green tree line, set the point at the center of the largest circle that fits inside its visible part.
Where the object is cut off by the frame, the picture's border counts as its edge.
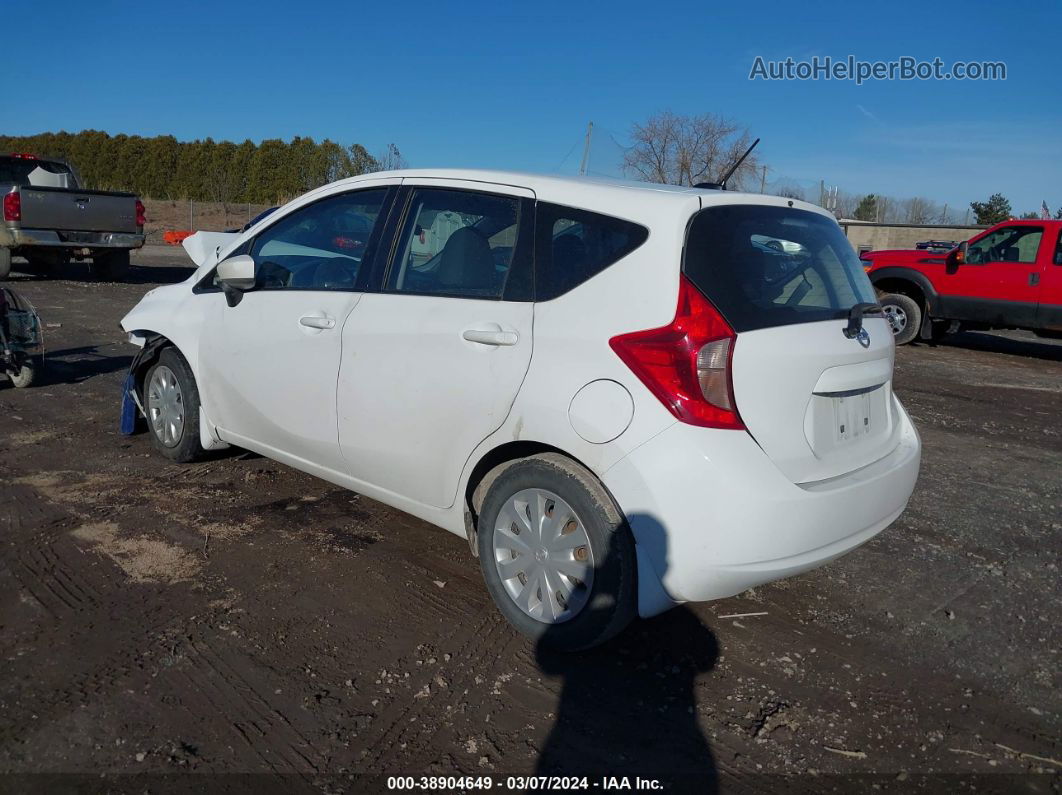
(162, 167)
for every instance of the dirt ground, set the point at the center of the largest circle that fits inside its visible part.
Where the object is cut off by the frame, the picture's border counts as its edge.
(236, 616)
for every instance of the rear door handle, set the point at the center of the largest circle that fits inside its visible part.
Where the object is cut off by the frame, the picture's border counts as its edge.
(485, 337)
(318, 321)
(1034, 279)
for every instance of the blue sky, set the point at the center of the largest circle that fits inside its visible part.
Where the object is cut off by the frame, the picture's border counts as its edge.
(502, 85)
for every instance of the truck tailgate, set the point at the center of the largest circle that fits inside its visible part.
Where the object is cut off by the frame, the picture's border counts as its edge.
(82, 211)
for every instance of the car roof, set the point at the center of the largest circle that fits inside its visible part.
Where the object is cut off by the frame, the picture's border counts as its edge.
(554, 187)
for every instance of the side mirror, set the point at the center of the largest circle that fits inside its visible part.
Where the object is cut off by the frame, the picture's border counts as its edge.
(956, 257)
(236, 276)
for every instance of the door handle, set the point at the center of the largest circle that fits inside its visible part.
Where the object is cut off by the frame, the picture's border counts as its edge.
(318, 321)
(485, 337)
(1034, 279)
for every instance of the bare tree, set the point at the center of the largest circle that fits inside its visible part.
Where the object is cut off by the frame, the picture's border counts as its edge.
(685, 150)
(790, 191)
(391, 159)
(920, 211)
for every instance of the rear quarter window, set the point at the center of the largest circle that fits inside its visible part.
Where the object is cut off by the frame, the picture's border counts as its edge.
(572, 246)
(773, 266)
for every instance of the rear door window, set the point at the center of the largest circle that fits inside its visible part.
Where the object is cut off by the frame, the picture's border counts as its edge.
(572, 246)
(773, 266)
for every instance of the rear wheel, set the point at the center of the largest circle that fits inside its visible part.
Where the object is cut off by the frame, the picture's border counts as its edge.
(171, 400)
(112, 266)
(903, 314)
(5, 262)
(556, 555)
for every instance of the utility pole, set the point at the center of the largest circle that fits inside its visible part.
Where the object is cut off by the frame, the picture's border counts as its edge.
(944, 215)
(586, 149)
(763, 179)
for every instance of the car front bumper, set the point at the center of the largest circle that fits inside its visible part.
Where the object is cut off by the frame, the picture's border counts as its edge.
(713, 515)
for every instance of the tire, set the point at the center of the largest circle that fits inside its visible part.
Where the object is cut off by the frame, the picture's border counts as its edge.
(111, 267)
(25, 377)
(5, 263)
(170, 392)
(593, 606)
(904, 316)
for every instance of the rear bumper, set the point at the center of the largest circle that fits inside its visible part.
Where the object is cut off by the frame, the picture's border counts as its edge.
(714, 516)
(16, 238)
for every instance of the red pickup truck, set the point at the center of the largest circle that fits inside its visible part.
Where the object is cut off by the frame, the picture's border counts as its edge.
(1008, 276)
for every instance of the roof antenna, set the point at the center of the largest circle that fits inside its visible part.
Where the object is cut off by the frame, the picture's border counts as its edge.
(721, 184)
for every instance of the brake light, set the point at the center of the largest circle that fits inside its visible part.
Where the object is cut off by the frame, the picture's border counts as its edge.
(141, 218)
(12, 207)
(687, 364)
(23, 156)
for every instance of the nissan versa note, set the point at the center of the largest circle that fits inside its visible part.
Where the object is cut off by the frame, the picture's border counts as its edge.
(625, 396)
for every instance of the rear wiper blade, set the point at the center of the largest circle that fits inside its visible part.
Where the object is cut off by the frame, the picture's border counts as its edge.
(855, 318)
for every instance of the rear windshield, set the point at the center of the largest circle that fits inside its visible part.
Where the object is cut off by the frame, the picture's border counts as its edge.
(25, 173)
(773, 266)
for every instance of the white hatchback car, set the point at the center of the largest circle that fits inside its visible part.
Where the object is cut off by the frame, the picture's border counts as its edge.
(625, 396)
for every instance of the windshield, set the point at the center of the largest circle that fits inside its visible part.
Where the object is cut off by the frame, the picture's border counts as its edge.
(773, 266)
(26, 172)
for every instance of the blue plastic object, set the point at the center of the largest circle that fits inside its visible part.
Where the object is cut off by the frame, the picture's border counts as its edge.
(127, 425)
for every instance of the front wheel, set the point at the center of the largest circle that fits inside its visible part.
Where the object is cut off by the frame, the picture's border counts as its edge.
(904, 316)
(556, 554)
(171, 400)
(25, 376)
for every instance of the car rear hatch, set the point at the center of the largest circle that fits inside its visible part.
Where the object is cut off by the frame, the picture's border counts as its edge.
(78, 210)
(817, 401)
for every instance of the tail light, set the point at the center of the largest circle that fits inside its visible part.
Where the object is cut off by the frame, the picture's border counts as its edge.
(23, 156)
(141, 218)
(687, 364)
(12, 207)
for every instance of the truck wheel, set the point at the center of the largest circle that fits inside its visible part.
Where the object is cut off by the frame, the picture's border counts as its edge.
(903, 315)
(5, 262)
(556, 555)
(111, 267)
(171, 399)
(25, 376)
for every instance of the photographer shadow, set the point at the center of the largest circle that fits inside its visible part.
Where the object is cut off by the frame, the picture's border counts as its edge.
(628, 707)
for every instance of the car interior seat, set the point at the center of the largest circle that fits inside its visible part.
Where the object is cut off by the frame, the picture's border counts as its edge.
(466, 264)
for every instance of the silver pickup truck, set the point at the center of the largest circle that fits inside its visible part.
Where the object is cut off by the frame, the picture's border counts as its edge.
(49, 219)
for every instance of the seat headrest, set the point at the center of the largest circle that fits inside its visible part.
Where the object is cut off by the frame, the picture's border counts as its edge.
(466, 261)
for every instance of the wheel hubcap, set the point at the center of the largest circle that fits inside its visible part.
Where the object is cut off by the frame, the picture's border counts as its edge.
(165, 405)
(543, 556)
(895, 316)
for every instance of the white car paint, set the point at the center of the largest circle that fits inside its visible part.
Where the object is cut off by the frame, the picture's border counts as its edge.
(397, 401)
